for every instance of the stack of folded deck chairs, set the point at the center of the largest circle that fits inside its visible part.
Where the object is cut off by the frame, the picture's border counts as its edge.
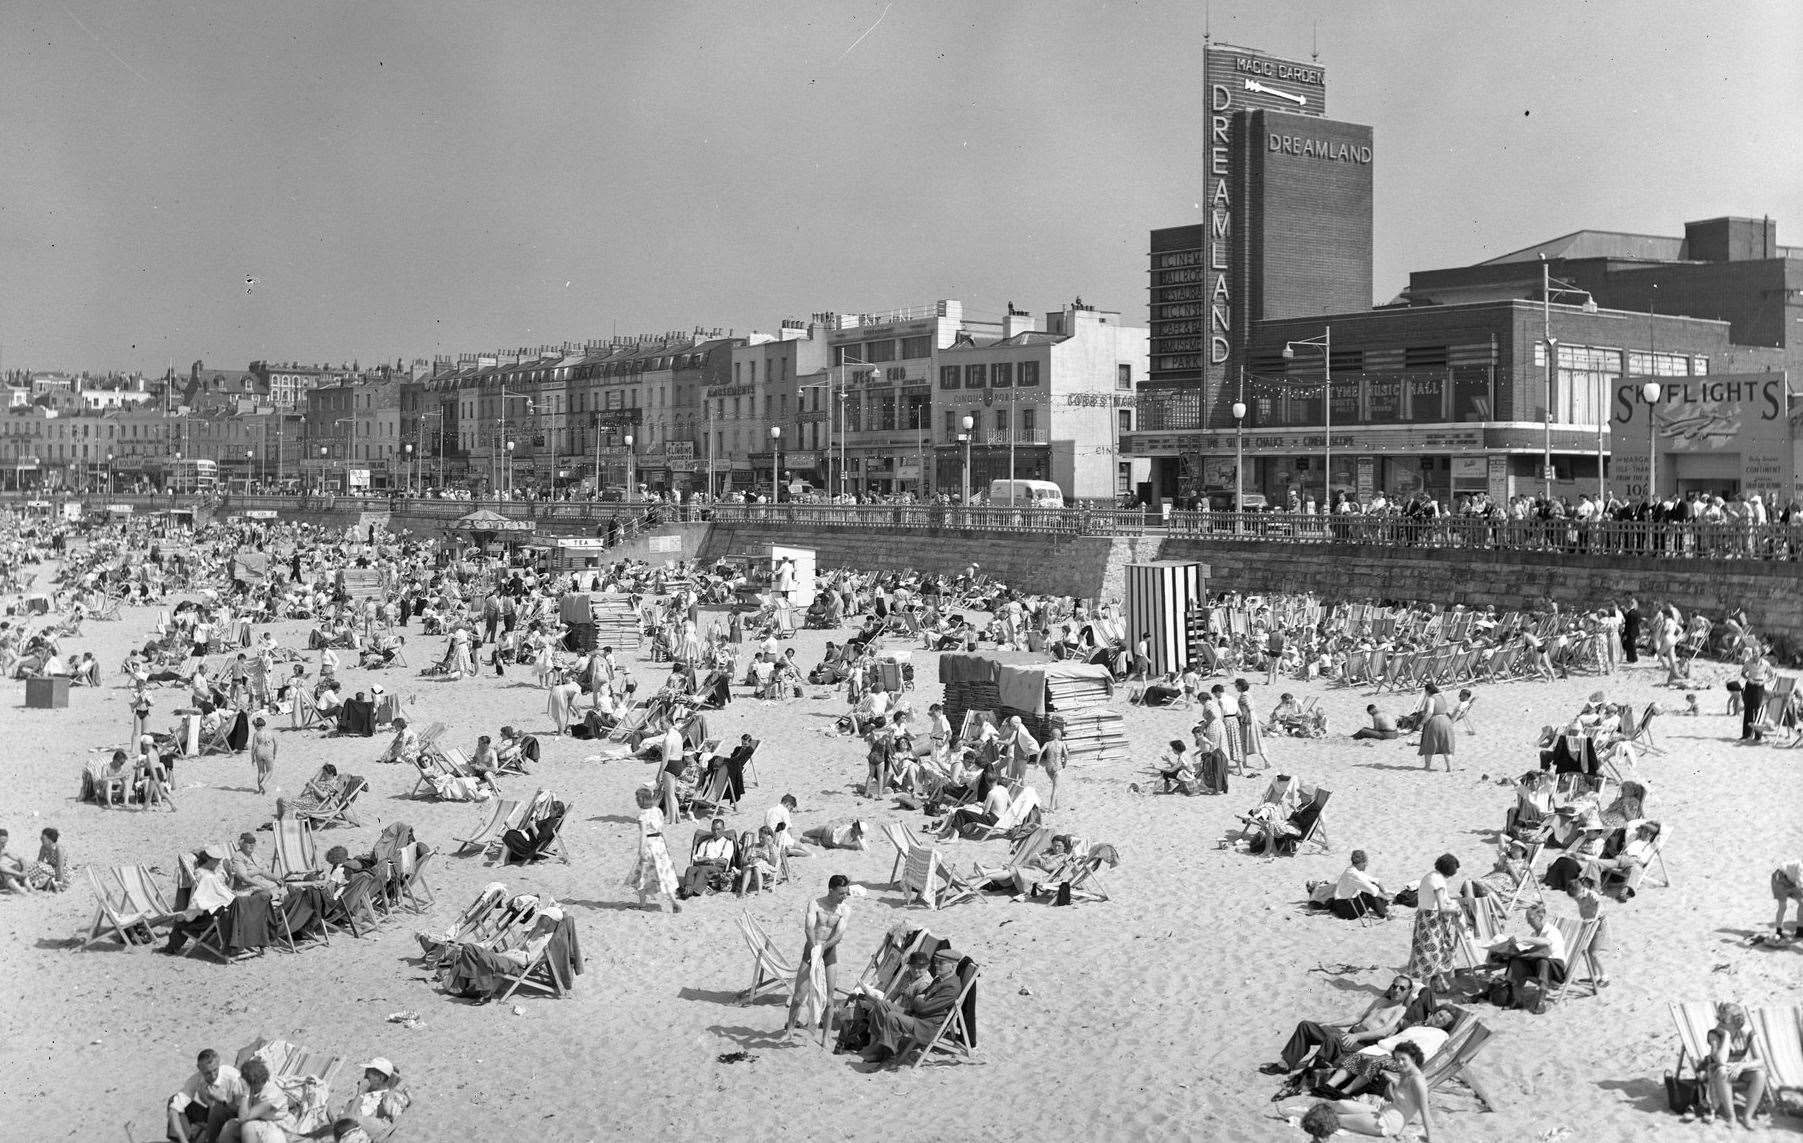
(599, 621)
(1092, 731)
(970, 684)
(363, 583)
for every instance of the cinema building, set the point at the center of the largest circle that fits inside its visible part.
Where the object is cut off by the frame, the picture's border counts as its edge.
(1271, 373)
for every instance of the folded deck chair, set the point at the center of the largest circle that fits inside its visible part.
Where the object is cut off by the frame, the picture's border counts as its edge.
(920, 877)
(957, 1034)
(770, 970)
(498, 817)
(1453, 1061)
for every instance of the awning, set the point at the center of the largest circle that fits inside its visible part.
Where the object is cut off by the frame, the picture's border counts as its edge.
(483, 520)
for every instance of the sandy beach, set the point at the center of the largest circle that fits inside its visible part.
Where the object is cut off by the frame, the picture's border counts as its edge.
(1143, 1017)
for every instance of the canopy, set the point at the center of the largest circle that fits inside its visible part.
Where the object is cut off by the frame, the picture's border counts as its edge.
(483, 520)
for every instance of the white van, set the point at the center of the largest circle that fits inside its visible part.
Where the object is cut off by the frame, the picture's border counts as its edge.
(1025, 494)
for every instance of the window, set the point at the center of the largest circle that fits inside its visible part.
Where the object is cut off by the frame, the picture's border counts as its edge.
(951, 424)
(854, 412)
(1001, 374)
(973, 376)
(1029, 418)
(875, 351)
(1585, 374)
(1001, 420)
(1658, 364)
(1123, 376)
(1029, 373)
(737, 373)
(948, 376)
(918, 346)
(916, 413)
(1124, 420)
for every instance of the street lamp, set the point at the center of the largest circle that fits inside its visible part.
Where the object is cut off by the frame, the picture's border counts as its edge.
(1239, 457)
(109, 473)
(510, 470)
(1652, 391)
(250, 457)
(965, 436)
(629, 484)
(1325, 344)
(322, 470)
(412, 472)
(776, 440)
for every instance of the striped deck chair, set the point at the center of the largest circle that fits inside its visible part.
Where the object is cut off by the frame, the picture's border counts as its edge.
(538, 972)
(339, 810)
(113, 913)
(905, 842)
(1484, 919)
(770, 970)
(1020, 810)
(1578, 937)
(1637, 875)
(1086, 880)
(501, 815)
(1694, 1020)
(920, 877)
(1780, 1034)
(1025, 850)
(1453, 1060)
(292, 1066)
(296, 855)
(1528, 880)
(957, 1034)
(1358, 668)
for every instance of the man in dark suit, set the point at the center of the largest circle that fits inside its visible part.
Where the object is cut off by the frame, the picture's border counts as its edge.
(896, 1027)
(1630, 630)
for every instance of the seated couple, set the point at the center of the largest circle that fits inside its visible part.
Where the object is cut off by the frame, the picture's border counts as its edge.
(1184, 771)
(1339, 1060)
(886, 1028)
(1615, 874)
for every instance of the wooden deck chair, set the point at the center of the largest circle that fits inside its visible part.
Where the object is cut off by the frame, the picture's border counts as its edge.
(113, 913)
(1484, 920)
(1453, 1060)
(479, 924)
(1528, 881)
(499, 816)
(1578, 937)
(1025, 850)
(770, 970)
(1642, 737)
(296, 856)
(410, 869)
(1314, 836)
(537, 973)
(340, 810)
(1020, 807)
(1358, 667)
(957, 1034)
(210, 939)
(920, 877)
(904, 842)
(1086, 880)
(1637, 876)
(1694, 1019)
(353, 911)
(553, 844)
(1461, 715)
(1780, 1034)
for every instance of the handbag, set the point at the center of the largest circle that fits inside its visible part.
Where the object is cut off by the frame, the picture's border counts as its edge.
(1683, 1096)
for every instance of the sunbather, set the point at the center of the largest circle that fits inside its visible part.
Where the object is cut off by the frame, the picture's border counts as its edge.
(321, 790)
(12, 869)
(1408, 1102)
(1734, 1060)
(374, 1108)
(1319, 1045)
(843, 833)
(1373, 1067)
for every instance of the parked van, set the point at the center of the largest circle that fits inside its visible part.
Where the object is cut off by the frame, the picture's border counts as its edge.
(1025, 494)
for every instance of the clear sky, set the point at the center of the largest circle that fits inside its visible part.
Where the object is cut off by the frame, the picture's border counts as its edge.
(377, 179)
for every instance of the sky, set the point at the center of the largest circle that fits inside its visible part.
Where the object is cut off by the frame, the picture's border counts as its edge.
(374, 180)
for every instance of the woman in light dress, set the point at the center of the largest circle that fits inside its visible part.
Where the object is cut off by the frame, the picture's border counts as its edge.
(561, 698)
(652, 872)
(1253, 737)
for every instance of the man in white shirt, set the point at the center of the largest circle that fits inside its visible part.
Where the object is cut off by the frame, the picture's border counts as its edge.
(778, 822)
(1539, 953)
(1357, 892)
(206, 1102)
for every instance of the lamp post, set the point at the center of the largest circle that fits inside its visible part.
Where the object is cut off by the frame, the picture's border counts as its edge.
(412, 472)
(322, 470)
(1239, 457)
(510, 470)
(1325, 344)
(629, 485)
(278, 460)
(1652, 391)
(250, 464)
(965, 436)
(776, 440)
